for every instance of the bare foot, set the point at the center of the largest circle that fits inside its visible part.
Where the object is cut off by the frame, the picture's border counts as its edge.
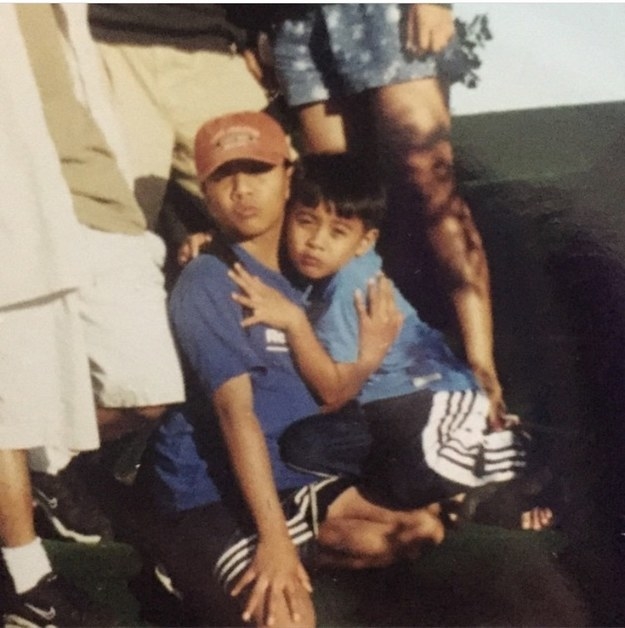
(537, 519)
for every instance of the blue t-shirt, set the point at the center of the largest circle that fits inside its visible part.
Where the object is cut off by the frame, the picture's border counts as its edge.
(190, 462)
(419, 359)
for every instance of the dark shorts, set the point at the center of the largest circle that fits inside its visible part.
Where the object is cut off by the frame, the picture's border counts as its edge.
(335, 50)
(204, 550)
(409, 451)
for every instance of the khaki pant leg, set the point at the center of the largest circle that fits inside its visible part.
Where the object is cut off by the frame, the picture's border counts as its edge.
(135, 77)
(163, 95)
(197, 86)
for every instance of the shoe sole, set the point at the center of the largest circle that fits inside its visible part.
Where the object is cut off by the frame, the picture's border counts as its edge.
(59, 527)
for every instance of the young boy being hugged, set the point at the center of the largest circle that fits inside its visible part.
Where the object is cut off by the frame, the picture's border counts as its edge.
(425, 433)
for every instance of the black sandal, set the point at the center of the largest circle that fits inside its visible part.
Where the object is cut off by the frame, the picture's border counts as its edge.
(501, 503)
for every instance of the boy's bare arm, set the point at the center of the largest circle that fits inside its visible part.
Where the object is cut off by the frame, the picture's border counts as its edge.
(335, 383)
(276, 576)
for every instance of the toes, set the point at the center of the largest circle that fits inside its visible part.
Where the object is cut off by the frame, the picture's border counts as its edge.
(537, 519)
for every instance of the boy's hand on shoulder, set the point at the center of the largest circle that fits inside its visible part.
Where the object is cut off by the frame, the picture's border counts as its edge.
(276, 579)
(267, 305)
(429, 28)
(191, 246)
(380, 320)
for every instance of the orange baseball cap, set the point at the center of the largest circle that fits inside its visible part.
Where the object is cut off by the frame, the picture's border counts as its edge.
(245, 135)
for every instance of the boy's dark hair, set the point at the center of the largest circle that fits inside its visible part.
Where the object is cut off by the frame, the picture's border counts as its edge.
(346, 181)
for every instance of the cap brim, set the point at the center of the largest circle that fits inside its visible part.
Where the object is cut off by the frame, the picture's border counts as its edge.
(243, 154)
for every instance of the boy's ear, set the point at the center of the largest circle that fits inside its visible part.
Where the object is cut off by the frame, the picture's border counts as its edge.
(368, 241)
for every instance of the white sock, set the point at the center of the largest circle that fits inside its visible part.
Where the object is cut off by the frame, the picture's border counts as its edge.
(26, 564)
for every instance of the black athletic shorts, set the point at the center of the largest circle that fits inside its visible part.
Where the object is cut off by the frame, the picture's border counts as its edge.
(204, 550)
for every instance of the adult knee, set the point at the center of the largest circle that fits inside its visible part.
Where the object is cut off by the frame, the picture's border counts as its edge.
(151, 413)
(430, 169)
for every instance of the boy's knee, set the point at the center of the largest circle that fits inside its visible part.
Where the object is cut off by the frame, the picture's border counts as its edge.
(282, 612)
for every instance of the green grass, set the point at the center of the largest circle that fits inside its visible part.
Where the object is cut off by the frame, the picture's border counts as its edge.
(103, 571)
(480, 575)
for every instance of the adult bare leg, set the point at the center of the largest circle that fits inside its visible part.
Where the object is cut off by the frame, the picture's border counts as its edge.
(413, 131)
(335, 126)
(16, 503)
(37, 590)
(23, 554)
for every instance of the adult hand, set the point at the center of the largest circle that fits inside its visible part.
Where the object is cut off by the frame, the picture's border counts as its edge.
(429, 28)
(491, 386)
(380, 320)
(191, 246)
(267, 305)
(260, 63)
(278, 581)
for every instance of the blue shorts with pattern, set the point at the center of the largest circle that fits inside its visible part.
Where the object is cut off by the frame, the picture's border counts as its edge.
(335, 50)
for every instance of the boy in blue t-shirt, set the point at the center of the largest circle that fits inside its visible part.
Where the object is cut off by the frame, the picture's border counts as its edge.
(428, 432)
(230, 515)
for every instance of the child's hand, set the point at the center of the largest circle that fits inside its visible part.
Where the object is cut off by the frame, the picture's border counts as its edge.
(429, 28)
(268, 306)
(191, 246)
(380, 320)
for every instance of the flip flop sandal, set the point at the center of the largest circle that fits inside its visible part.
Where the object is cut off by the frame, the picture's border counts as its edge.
(501, 503)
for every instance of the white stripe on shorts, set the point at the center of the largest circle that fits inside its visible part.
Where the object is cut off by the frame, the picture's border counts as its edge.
(458, 446)
(302, 527)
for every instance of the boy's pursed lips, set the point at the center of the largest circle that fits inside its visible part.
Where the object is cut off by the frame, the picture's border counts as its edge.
(310, 260)
(245, 211)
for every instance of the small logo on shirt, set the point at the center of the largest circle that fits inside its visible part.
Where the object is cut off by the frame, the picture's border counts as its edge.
(424, 380)
(276, 340)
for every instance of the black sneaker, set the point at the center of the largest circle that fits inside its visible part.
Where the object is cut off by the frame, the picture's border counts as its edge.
(67, 505)
(54, 602)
